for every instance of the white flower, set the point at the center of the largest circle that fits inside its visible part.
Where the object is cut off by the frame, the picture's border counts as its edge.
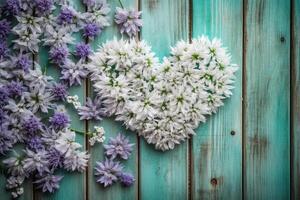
(97, 136)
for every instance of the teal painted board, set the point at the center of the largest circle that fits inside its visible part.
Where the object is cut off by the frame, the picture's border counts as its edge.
(112, 128)
(295, 73)
(267, 100)
(164, 175)
(217, 147)
(73, 184)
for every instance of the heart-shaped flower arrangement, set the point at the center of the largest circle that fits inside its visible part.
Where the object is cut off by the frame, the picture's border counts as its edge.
(164, 102)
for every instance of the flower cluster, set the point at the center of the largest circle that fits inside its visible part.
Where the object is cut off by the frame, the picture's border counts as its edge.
(109, 171)
(164, 102)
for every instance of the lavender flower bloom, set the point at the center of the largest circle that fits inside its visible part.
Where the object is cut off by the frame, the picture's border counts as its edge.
(31, 125)
(66, 16)
(92, 109)
(3, 96)
(24, 63)
(73, 73)
(83, 50)
(3, 50)
(76, 160)
(6, 140)
(59, 54)
(129, 21)
(126, 179)
(15, 89)
(48, 183)
(107, 172)
(35, 161)
(91, 30)
(4, 29)
(43, 7)
(55, 159)
(59, 91)
(35, 143)
(13, 6)
(118, 146)
(59, 120)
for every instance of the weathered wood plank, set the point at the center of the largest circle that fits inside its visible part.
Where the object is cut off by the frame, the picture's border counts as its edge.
(295, 73)
(217, 147)
(73, 184)
(267, 100)
(112, 128)
(164, 174)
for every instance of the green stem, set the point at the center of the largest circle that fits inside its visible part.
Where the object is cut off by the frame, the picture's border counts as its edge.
(121, 4)
(83, 133)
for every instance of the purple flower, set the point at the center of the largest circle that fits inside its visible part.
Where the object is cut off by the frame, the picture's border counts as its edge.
(92, 109)
(35, 161)
(118, 146)
(73, 73)
(107, 172)
(126, 179)
(48, 183)
(59, 54)
(23, 62)
(4, 29)
(55, 158)
(59, 91)
(15, 89)
(3, 96)
(43, 7)
(129, 21)
(3, 50)
(6, 139)
(59, 120)
(65, 16)
(13, 6)
(82, 50)
(32, 125)
(35, 143)
(91, 30)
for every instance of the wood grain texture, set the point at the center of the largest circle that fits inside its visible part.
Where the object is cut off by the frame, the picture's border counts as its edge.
(73, 184)
(295, 73)
(217, 147)
(163, 175)
(112, 128)
(267, 100)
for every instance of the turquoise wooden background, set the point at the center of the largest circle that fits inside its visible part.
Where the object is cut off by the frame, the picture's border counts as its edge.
(251, 148)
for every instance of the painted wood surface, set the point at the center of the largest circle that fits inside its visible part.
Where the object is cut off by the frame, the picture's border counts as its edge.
(216, 149)
(295, 73)
(164, 175)
(250, 149)
(267, 99)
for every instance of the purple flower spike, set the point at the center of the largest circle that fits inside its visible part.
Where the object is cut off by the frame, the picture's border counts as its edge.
(15, 89)
(66, 16)
(126, 179)
(91, 30)
(49, 183)
(13, 6)
(35, 143)
(83, 50)
(129, 21)
(59, 91)
(3, 50)
(24, 63)
(43, 7)
(118, 146)
(32, 125)
(59, 55)
(92, 109)
(107, 172)
(4, 29)
(59, 120)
